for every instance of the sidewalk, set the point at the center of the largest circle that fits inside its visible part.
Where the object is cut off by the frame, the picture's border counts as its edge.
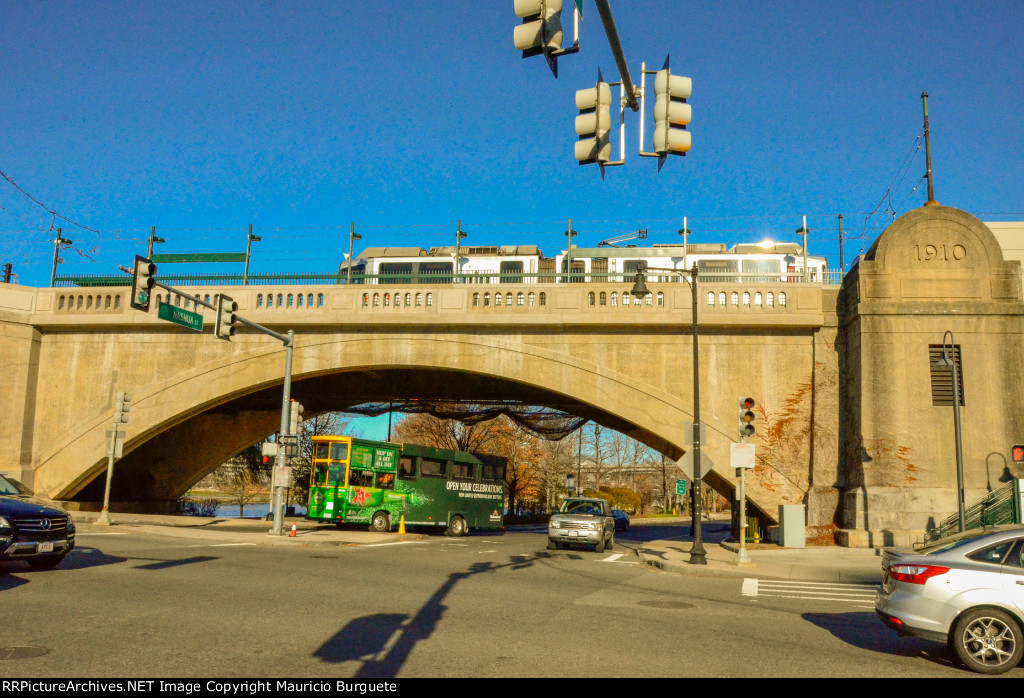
(814, 563)
(240, 531)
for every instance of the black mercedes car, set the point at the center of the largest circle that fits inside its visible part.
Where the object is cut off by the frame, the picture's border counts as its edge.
(34, 530)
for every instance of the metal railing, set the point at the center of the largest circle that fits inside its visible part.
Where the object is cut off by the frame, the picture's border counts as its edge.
(1002, 506)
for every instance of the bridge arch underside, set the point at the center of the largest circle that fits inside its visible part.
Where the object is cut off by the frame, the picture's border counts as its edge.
(221, 409)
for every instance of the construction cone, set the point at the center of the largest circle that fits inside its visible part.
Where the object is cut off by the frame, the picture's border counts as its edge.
(401, 525)
(292, 534)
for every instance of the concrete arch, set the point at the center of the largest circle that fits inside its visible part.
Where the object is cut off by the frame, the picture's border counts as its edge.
(648, 413)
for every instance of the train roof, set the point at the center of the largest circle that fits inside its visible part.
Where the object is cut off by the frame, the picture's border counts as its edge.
(676, 250)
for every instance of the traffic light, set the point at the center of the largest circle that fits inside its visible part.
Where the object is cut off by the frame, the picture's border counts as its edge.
(142, 283)
(295, 417)
(121, 408)
(8, 272)
(541, 30)
(671, 113)
(225, 323)
(594, 123)
(746, 417)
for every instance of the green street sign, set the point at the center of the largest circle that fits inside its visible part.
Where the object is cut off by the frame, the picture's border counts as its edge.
(185, 318)
(680, 486)
(197, 257)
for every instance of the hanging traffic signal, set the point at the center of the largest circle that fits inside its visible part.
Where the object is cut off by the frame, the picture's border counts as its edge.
(224, 326)
(594, 123)
(142, 283)
(746, 417)
(541, 30)
(121, 408)
(671, 113)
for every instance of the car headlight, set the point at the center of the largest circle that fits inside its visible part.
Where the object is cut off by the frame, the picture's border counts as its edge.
(591, 526)
(555, 524)
(4, 523)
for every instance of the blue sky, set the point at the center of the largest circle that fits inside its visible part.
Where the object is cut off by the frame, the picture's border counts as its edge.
(201, 118)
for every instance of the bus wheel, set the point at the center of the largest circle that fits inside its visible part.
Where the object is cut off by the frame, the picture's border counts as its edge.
(381, 522)
(457, 527)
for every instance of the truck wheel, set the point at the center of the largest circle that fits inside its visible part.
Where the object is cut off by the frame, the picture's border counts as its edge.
(381, 522)
(457, 527)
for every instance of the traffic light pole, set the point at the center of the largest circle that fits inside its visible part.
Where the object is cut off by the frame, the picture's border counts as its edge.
(604, 9)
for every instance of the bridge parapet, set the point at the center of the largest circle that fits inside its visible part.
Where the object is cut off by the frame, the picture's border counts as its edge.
(719, 304)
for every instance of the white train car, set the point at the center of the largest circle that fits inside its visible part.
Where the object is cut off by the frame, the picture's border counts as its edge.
(741, 263)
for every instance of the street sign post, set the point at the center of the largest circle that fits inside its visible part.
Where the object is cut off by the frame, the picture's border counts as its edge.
(179, 316)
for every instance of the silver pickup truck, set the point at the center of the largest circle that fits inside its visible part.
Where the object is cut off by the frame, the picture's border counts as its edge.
(582, 521)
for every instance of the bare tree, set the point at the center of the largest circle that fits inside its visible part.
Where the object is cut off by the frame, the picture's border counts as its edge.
(243, 478)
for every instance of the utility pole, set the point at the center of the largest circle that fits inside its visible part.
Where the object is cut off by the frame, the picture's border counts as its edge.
(928, 153)
(685, 232)
(459, 235)
(842, 266)
(352, 235)
(569, 235)
(56, 255)
(248, 249)
(153, 240)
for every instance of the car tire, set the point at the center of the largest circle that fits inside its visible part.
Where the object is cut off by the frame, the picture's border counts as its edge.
(44, 562)
(457, 527)
(381, 522)
(988, 640)
(552, 545)
(599, 548)
(611, 542)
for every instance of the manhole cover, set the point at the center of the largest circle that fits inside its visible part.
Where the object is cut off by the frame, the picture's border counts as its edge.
(666, 604)
(22, 652)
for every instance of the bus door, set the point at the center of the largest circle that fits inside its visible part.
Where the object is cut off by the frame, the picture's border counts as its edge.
(337, 481)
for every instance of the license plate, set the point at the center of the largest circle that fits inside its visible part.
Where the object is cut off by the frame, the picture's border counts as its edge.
(45, 548)
(573, 533)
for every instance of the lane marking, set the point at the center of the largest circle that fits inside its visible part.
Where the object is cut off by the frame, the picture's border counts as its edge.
(401, 542)
(615, 558)
(91, 533)
(855, 594)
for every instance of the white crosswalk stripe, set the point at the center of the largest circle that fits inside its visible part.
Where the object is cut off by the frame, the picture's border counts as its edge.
(862, 595)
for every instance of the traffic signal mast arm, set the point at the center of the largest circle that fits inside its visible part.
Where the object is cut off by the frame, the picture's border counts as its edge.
(212, 306)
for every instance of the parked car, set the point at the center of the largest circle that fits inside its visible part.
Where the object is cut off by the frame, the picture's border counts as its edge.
(582, 521)
(966, 591)
(621, 520)
(34, 530)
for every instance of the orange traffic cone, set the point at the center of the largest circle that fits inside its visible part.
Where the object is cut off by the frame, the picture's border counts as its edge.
(292, 534)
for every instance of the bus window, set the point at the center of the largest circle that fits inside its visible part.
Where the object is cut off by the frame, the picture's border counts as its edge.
(321, 451)
(339, 451)
(463, 470)
(360, 478)
(406, 468)
(386, 481)
(336, 474)
(493, 472)
(319, 478)
(432, 468)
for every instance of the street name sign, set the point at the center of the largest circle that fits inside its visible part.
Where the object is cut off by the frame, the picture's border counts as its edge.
(179, 316)
(680, 486)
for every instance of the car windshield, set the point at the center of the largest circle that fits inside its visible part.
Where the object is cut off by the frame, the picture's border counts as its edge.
(575, 506)
(7, 487)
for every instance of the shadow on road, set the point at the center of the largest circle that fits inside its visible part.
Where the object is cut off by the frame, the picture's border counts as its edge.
(383, 642)
(864, 630)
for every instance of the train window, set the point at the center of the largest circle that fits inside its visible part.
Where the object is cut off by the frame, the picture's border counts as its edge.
(476, 300)
(735, 298)
(398, 272)
(756, 266)
(591, 299)
(435, 272)
(711, 298)
(718, 270)
(604, 298)
(746, 299)
(771, 299)
(511, 272)
(757, 299)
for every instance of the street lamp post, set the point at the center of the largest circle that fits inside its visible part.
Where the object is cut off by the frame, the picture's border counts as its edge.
(153, 240)
(56, 255)
(460, 235)
(352, 236)
(948, 359)
(698, 555)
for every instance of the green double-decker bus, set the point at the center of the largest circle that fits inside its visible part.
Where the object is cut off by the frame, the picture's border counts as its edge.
(385, 484)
